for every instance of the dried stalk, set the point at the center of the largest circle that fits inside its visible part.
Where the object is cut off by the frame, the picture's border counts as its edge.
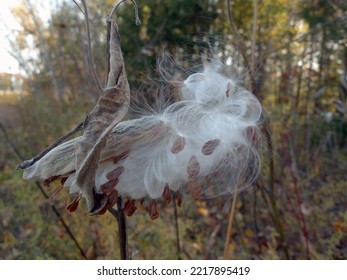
(108, 28)
(89, 47)
(176, 227)
(231, 219)
(54, 209)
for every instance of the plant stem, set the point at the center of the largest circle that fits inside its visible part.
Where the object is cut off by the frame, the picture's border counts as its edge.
(231, 219)
(177, 228)
(137, 18)
(89, 48)
(122, 229)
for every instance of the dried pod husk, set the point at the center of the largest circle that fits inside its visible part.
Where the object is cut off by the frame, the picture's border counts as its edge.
(110, 109)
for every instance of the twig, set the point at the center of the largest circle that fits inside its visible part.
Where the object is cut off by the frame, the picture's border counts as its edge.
(89, 47)
(122, 229)
(255, 216)
(55, 210)
(30, 162)
(231, 219)
(177, 228)
(79, 7)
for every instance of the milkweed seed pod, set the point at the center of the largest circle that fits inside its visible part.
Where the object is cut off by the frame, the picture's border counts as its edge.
(207, 142)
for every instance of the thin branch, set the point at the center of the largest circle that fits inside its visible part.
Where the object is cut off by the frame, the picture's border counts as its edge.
(89, 47)
(55, 210)
(79, 7)
(231, 219)
(30, 162)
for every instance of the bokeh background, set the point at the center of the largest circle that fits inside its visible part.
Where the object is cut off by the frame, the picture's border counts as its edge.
(291, 54)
